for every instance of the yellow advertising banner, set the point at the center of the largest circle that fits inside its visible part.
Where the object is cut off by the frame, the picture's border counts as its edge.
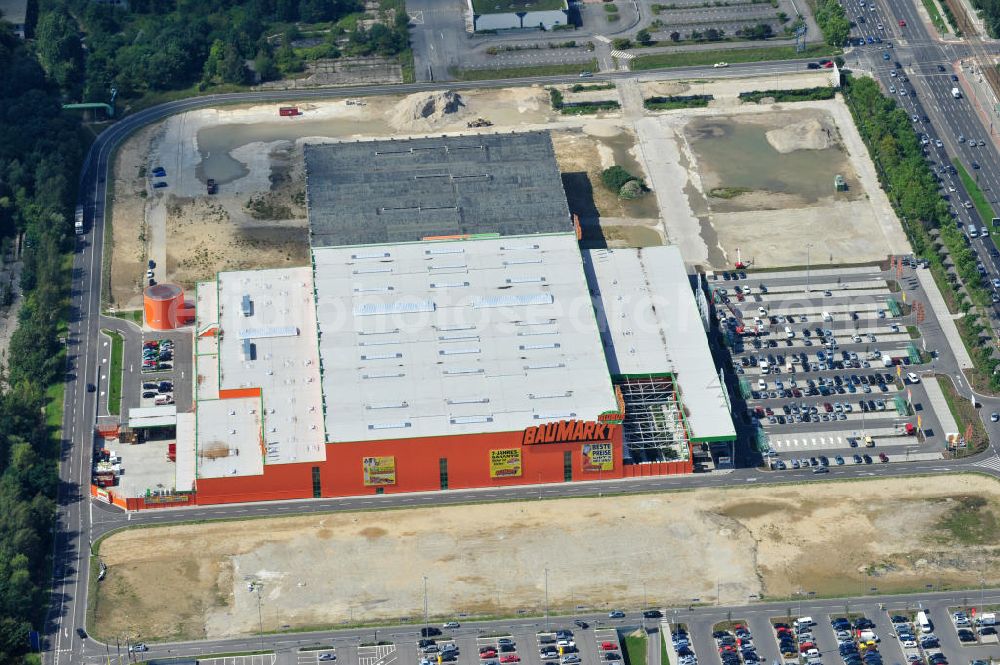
(379, 471)
(598, 457)
(505, 463)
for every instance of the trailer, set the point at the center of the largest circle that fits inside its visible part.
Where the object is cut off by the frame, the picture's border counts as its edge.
(78, 227)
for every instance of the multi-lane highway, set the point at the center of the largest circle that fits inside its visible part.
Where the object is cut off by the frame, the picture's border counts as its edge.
(80, 521)
(922, 85)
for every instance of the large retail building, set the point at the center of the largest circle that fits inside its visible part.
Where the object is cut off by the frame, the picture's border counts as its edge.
(449, 333)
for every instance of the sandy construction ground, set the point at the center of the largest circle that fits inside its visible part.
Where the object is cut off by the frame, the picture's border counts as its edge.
(258, 217)
(485, 559)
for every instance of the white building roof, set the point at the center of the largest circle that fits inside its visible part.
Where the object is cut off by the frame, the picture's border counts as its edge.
(283, 360)
(228, 438)
(185, 462)
(152, 416)
(457, 337)
(646, 306)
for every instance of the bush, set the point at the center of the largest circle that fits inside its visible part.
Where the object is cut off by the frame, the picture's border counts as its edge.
(801, 95)
(677, 102)
(617, 178)
(621, 43)
(632, 189)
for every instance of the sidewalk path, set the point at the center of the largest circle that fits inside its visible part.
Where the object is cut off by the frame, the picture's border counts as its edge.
(653, 647)
(940, 406)
(945, 318)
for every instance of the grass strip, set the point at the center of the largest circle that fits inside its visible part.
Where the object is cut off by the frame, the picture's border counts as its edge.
(964, 413)
(693, 58)
(115, 372)
(983, 206)
(522, 72)
(634, 648)
(935, 14)
(664, 658)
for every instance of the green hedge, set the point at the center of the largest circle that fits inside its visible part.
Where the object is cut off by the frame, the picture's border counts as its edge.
(800, 95)
(677, 102)
(579, 108)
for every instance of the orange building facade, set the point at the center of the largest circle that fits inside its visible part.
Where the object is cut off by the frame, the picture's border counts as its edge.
(434, 464)
(427, 465)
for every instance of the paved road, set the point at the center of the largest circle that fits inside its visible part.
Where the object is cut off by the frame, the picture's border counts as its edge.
(698, 618)
(79, 520)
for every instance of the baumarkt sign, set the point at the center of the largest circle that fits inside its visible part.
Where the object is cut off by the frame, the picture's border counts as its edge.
(568, 431)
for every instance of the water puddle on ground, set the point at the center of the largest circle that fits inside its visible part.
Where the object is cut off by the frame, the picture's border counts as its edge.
(738, 155)
(216, 143)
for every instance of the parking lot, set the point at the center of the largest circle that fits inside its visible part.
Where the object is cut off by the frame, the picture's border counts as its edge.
(828, 365)
(157, 361)
(687, 15)
(854, 634)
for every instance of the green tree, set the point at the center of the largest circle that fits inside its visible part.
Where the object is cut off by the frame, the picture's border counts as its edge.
(643, 37)
(224, 64)
(621, 43)
(59, 48)
(265, 66)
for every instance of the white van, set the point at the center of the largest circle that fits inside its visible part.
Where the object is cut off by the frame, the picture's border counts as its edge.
(804, 622)
(827, 316)
(988, 619)
(789, 333)
(925, 625)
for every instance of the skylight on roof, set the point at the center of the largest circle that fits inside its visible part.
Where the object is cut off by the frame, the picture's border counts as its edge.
(398, 307)
(512, 300)
(469, 420)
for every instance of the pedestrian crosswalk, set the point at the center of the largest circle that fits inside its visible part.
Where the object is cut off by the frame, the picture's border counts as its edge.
(809, 442)
(622, 55)
(992, 463)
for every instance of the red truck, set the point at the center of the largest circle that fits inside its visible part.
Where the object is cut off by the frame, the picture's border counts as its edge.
(289, 111)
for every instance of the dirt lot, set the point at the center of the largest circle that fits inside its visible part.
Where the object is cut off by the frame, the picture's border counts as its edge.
(483, 559)
(257, 219)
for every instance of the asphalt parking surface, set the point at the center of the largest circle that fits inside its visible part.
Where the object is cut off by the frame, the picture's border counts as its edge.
(827, 334)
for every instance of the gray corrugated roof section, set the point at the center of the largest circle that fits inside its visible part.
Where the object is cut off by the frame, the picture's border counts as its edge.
(392, 191)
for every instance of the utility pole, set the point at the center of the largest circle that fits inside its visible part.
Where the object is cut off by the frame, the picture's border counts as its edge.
(260, 616)
(546, 599)
(808, 247)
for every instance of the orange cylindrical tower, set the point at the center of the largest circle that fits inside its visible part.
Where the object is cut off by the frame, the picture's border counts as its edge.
(163, 304)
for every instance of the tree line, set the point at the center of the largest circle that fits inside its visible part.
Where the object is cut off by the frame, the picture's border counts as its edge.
(914, 191)
(990, 11)
(833, 22)
(149, 46)
(40, 155)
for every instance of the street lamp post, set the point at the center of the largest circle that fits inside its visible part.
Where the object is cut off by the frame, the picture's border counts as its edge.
(808, 247)
(546, 599)
(260, 616)
(425, 599)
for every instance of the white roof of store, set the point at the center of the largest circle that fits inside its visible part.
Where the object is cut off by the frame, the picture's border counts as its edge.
(153, 416)
(228, 438)
(646, 304)
(152, 411)
(457, 337)
(185, 463)
(285, 360)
